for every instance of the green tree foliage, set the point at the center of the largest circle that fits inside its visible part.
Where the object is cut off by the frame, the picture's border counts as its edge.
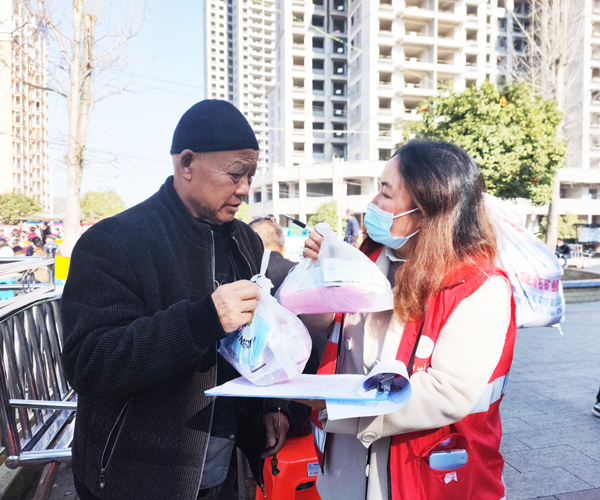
(243, 213)
(511, 133)
(15, 205)
(566, 227)
(327, 212)
(99, 204)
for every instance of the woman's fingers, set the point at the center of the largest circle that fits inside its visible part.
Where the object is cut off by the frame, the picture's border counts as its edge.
(312, 245)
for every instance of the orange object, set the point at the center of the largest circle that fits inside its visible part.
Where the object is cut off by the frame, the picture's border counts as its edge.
(298, 470)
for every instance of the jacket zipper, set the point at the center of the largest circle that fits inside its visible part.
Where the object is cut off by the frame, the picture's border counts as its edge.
(242, 253)
(119, 422)
(212, 406)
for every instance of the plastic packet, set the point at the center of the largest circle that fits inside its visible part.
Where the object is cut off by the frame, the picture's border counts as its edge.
(532, 268)
(342, 279)
(274, 346)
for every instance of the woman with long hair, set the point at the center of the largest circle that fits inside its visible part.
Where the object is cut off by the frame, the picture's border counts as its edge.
(452, 325)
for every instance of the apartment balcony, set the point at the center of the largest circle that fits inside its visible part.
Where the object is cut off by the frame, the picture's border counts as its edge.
(412, 90)
(451, 18)
(415, 38)
(447, 38)
(415, 64)
(417, 13)
(445, 67)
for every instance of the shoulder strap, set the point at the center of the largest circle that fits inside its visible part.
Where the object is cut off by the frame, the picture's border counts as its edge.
(411, 360)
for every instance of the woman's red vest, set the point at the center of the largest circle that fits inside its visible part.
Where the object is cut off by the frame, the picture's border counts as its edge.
(410, 477)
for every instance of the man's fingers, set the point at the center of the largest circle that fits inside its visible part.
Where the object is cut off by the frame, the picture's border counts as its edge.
(249, 306)
(249, 291)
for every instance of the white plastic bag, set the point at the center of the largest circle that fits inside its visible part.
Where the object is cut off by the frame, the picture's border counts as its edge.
(532, 267)
(342, 279)
(275, 346)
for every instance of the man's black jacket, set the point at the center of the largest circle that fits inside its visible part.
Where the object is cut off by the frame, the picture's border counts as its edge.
(141, 333)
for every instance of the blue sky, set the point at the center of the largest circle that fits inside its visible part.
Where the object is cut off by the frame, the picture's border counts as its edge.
(135, 127)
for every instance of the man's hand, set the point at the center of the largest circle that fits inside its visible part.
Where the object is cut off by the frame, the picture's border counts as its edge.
(312, 245)
(235, 303)
(276, 424)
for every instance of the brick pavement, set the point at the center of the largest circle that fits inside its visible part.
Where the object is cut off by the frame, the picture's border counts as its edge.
(551, 440)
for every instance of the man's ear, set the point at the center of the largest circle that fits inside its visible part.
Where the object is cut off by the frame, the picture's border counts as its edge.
(186, 157)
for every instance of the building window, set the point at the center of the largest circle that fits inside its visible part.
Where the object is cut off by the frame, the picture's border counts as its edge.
(288, 190)
(318, 21)
(257, 196)
(318, 189)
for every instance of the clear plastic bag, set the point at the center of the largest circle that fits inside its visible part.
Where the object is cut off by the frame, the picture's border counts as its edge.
(275, 346)
(532, 268)
(342, 279)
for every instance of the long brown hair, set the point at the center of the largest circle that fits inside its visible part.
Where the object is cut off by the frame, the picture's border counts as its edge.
(447, 187)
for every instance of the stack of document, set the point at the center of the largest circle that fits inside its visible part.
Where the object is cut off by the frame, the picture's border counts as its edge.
(346, 396)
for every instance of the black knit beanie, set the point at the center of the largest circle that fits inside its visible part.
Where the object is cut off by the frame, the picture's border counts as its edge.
(213, 125)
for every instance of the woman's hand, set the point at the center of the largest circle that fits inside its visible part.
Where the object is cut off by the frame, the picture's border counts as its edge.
(312, 245)
(317, 404)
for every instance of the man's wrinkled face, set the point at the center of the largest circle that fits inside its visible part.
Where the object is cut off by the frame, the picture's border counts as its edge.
(219, 182)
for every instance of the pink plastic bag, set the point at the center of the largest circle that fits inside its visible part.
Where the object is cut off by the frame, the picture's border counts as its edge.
(342, 279)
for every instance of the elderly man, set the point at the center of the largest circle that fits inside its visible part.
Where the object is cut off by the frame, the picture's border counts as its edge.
(143, 318)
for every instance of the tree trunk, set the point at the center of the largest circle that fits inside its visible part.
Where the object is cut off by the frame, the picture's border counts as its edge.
(79, 104)
(553, 215)
(71, 221)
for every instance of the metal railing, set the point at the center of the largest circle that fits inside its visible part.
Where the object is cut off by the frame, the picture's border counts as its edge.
(37, 405)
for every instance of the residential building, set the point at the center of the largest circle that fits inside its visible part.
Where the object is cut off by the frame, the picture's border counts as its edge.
(239, 59)
(347, 71)
(580, 180)
(23, 105)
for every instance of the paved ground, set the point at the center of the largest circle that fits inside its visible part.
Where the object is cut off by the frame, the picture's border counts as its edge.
(551, 441)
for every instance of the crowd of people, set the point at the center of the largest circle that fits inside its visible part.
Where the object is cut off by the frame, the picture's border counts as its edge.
(140, 346)
(17, 244)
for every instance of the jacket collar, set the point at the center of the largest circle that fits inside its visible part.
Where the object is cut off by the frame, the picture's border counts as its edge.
(198, 232)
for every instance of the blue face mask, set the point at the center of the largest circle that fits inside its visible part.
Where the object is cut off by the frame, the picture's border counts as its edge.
(379, 222)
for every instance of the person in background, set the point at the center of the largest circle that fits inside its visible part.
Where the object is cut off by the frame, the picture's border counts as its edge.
(5, 250)
(2, 236)
(352, 229)
(18, 250)
(271, 234)
(596, 407)
(32, 233)
(15, 238)
(45, 231)
(453, 326)
(273, 239)
(563, 250)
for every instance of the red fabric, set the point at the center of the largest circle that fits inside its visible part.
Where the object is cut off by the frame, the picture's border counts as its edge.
(411, 478)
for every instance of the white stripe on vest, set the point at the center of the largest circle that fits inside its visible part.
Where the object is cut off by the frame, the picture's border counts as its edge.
(492, 393)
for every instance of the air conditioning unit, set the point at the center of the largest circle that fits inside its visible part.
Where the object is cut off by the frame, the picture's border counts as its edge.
(410, 85)
(413, 59)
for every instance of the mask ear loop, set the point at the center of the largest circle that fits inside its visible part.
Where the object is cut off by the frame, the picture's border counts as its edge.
(406, 213)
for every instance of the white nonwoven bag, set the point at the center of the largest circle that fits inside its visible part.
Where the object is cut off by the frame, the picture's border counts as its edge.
(274, 346)
(342, 279)
(532, 267)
